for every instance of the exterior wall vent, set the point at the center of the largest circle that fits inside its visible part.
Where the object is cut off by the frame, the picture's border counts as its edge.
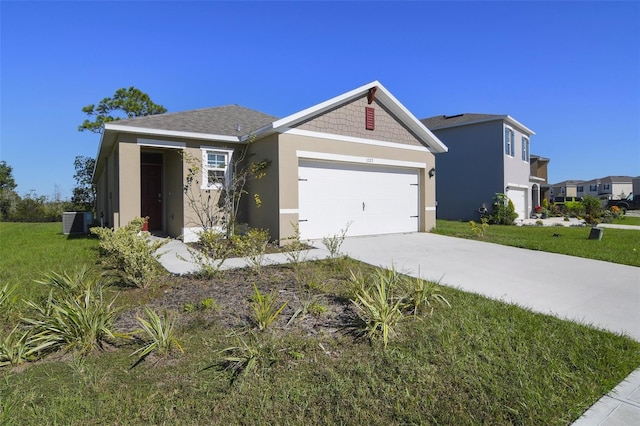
(370, 118)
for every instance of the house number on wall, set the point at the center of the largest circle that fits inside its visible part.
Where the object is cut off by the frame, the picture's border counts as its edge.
(369, 160)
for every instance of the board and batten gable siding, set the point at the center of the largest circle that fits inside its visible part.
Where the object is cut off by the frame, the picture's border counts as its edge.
(470, 174)
(349, 120)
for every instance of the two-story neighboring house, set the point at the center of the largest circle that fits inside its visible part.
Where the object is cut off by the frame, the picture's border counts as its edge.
(488, 154)
(606, 188)
(567, 188)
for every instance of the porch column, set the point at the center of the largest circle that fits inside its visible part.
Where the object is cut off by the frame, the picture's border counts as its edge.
(128, 182)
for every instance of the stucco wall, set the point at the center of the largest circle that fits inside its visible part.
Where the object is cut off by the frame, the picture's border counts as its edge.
(470, 174)
(267, 214)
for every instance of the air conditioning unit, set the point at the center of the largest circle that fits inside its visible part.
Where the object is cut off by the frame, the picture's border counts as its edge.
(76, 222)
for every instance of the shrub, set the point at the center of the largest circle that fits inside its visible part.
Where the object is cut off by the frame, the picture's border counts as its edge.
(592, 210)
(252, 246)
(504, 212)
(334, 242)
(418, 295)
(574, 208)
(295, 249)
(215, 248)
(130, 252)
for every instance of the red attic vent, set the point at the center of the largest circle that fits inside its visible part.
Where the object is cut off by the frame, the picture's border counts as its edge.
(370, 118)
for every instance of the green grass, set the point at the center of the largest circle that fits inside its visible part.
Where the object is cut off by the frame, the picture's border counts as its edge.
(29, 250)
(477, 362)
(617, 245)
(627, 220)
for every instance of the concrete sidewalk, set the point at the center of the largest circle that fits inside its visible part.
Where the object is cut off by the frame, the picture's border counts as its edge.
(177, 258)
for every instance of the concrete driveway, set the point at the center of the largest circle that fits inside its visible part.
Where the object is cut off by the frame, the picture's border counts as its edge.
(602, 294)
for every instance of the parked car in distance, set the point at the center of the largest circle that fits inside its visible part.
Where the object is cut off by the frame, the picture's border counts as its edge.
(560, 201)
(630, 203)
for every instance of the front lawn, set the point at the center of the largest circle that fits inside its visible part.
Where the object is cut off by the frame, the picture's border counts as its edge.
(476, 362)
(617, 245)
(627, 220)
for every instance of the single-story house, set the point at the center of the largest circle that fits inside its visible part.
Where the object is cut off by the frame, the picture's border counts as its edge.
(360, 159)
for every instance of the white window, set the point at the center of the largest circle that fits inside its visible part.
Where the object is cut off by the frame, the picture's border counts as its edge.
(525, 149)
(215, 167)
(508, 141)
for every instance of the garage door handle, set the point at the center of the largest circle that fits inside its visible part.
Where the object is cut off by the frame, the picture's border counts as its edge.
(363, 206)
(414, 216)
(303, 220)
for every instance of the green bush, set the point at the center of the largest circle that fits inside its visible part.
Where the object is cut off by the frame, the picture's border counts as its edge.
(593, 211)
(574, 208)
(252, 246)
(130, 252)
(504, 212)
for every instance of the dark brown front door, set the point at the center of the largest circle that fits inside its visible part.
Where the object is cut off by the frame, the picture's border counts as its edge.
(152, 195)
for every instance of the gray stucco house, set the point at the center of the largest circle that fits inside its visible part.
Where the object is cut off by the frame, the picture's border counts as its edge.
(488, 154)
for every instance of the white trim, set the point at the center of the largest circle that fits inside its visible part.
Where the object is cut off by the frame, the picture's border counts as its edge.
(161, 144)
(172, 133)
(289, 211)
(517, 186)
(309, 133)
(359, 160)
(227, 170)
(429, 209)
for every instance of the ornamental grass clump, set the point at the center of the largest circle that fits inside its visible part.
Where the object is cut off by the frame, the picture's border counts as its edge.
(74, 316)
(159, 334)
(264, 308)
(130, 252)
(378, 304)
(15, 347)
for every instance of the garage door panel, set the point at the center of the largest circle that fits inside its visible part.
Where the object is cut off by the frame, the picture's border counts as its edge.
(518, 197)
(371, 199)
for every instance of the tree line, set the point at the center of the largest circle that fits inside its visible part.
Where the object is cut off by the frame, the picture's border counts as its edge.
(125, 103)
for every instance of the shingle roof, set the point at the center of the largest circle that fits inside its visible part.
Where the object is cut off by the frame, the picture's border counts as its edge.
(229, 120)
(440, 121)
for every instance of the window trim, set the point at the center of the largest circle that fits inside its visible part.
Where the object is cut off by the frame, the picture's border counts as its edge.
(509, 142)
(228, 153)
(525, 149)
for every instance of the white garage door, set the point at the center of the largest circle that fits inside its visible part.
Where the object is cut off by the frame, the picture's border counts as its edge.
(518, 197)
(370, 199)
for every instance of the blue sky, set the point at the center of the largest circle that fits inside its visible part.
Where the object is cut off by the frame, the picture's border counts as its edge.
(568, 70)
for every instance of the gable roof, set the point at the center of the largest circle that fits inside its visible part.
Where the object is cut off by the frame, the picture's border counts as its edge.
(446, 121)
(382, 95)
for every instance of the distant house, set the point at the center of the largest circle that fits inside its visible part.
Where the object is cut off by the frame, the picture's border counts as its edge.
(488, 154)
(567, 188)
(605, 188)
(359, 159)
(540, 176)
